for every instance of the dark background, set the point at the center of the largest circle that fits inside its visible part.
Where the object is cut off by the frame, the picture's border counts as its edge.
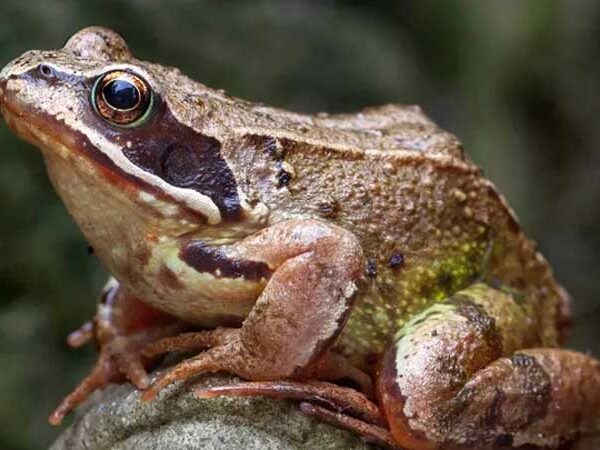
(517, 81)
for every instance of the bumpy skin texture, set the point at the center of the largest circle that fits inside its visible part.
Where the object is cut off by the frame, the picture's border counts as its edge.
(484, 391)
(304, 246)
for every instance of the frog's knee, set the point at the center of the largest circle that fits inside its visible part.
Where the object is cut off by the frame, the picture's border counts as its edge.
(455, 365)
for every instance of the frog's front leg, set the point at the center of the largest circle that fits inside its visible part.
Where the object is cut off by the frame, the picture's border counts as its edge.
(299, 313)
(122, 327)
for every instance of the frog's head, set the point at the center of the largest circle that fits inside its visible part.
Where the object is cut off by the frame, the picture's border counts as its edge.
(126, 125)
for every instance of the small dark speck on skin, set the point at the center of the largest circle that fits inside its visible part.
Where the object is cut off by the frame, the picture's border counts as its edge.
(328, 209)
(396, 260)
(372, 359)
(90, 250)
(445, 280)
(283, 178)
(371, 268)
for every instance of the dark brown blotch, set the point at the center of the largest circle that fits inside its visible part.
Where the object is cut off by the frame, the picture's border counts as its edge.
(478, 318)
(396, 260)
(208, 259)
(183, 158)
(283, 178)
(445, 280)
(371, 269)
(270, 147)
(143, 255)
(505, 440)
(328, 209)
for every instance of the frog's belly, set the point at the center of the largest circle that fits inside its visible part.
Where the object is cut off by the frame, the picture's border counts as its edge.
(169, 284)
(219, 303)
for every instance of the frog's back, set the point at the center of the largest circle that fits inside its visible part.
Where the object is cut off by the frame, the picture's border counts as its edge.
(429, 223)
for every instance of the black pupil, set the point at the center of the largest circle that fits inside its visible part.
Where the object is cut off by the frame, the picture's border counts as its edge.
(121, 94)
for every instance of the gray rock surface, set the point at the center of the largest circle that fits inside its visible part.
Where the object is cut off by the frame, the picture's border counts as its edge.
(115, 419)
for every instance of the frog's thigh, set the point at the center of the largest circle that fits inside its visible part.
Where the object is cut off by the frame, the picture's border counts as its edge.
(300, 312)
(454, 378)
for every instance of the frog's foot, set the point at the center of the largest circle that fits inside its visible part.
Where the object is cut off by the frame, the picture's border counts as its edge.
(120, 359)
(217, 343)
(329, 402)
(224, 343)
(81, 336)
(212, 360)
(104, 372)
(121, 329)
(479, 389)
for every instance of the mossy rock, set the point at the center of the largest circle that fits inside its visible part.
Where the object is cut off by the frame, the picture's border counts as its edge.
(116, 419)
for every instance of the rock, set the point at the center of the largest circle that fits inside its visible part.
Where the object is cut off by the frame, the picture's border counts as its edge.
(115, 419)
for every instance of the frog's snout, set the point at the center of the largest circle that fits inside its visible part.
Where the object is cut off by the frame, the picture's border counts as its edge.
(6, 74)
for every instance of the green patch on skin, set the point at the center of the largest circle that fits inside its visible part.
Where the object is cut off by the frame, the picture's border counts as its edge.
(409, 328)
(459, 269)
(392, 302)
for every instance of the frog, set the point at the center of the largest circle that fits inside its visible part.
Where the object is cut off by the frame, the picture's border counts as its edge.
(358, 264)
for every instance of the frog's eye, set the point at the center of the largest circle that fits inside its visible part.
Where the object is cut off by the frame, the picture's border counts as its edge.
(122, 98)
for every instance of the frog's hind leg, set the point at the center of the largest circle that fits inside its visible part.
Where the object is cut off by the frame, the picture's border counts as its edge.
(455, 377)
(341, 406)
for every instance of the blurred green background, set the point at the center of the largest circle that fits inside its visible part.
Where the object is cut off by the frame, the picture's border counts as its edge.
(518, 81)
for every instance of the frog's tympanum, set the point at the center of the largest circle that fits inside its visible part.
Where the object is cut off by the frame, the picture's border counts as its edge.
(358, 263)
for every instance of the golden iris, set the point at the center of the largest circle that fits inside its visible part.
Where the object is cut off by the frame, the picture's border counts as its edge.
(122, 98)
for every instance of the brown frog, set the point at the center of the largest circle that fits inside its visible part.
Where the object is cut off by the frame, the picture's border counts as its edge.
(358, 263)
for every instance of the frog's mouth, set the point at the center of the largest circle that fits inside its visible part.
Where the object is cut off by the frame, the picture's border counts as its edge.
(54, 139)
(39, 131)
